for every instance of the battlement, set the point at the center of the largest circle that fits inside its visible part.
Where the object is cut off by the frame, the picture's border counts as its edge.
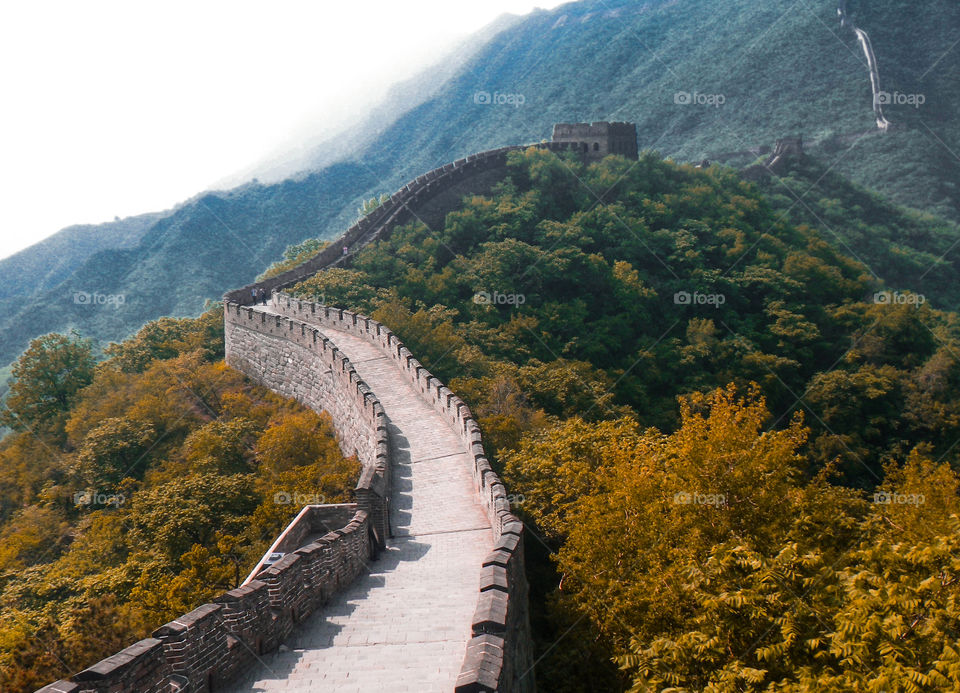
(597, 140)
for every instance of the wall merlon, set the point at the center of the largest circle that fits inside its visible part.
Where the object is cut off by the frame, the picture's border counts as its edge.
(122, 661)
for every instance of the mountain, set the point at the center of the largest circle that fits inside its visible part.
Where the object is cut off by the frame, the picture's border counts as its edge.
(744, 74)
(310, 155)
(47, 263)
(715, 79)
(218, 240)
(900, 247)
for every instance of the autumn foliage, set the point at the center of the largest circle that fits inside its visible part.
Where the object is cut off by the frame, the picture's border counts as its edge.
(135, 489)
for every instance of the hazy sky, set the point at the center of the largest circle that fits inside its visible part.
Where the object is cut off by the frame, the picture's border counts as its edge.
(117, 108)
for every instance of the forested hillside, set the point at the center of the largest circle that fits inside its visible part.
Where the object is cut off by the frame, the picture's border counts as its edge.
(47, 263)
(753, 72)
(731, 440)
(137, 488)
(908, 249)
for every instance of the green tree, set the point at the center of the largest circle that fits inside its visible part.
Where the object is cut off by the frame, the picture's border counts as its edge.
(46, 380)
(176, 515)
(114, 450)
(220, 446)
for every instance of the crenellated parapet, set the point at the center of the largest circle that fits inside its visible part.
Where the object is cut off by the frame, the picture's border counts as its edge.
(202, 650)
(215, 642)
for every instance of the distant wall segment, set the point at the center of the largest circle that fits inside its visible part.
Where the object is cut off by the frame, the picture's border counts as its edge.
(428, 198)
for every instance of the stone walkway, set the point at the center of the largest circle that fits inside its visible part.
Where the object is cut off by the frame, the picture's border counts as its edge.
(404, 626)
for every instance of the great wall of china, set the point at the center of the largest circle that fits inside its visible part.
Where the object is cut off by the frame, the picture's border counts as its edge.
(419, 585)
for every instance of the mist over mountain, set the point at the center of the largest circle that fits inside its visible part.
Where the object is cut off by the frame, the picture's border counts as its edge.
(716, 80)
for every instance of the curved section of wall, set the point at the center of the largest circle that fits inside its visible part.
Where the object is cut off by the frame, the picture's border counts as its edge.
(499, 656)
(294, 359)
(410, 203)
(212, 644)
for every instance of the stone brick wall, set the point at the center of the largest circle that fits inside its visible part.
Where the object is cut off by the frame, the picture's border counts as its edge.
(597, 140)
(311, 521)
(500, 651)
(214, 643)
(199, 651)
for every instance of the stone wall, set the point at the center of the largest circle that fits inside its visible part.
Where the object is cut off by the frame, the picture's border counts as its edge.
(413, 201)
(294, 359)
(215, 642)
(311, 521)
(500, 651)
(597, 140)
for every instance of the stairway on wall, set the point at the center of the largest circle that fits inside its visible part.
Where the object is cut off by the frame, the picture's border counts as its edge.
(405, 624)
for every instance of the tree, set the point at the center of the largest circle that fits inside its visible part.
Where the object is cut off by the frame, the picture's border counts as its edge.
(220, 446)
(46, 380)
(181, 513)
(166, 338)
(294, 256)
(112, 451)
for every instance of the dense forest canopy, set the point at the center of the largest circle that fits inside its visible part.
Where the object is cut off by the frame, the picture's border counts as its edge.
(734, 444)
(136, 488)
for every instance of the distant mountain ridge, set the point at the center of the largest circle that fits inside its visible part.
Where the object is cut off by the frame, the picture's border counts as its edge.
(777, 67)
(45, 264)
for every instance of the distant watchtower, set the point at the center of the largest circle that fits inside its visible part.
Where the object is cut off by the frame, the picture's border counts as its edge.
(596, 140)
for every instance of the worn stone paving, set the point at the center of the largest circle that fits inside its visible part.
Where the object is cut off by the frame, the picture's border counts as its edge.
(405, 625)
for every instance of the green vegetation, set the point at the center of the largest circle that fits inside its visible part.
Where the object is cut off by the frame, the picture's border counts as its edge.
(295, 256)
(135, 489)
(907, 249)
(729, 544)
(182, 260)
(781, 68)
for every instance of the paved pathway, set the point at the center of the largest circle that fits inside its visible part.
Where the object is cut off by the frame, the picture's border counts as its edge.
(404, 626)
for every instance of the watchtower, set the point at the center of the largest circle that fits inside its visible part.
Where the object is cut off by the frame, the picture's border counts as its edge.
(596, 140)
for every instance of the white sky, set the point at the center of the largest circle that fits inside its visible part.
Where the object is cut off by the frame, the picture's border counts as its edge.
(118, 108)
